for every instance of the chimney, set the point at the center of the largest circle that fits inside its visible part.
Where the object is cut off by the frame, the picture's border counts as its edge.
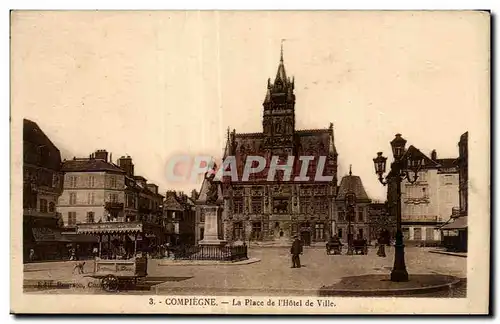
(194, 194)
(125, 163)
(153, 187)
(170, 193)
(101, 155)
(434, 155)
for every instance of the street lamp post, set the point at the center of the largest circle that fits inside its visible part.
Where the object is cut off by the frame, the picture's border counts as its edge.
(350, 202)
(398, 173)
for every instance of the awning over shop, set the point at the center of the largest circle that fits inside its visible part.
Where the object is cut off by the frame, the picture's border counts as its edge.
(118, 228)
(110, 228)
(458, 223)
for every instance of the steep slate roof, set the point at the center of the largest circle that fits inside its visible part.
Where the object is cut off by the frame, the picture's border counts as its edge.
(352, 183)
(414, 152)
(172, 202)
(304, 141)
(89, 165)
(430, 163)
(35, 139)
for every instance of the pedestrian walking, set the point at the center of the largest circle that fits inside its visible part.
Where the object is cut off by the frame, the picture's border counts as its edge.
(95, 252)
(381, 244)
(167, 249)
(296, 251)
(32, 255)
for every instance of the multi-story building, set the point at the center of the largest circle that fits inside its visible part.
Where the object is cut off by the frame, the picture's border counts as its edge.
(187, 226)
(455, 231)
(263, 210)
(428, 203)
(97, 190)
(94, 190)
(42, 186)
(359, 222)
(172, 211)
(463, 173)
(132, 189)
(150, 201)
(180, 218)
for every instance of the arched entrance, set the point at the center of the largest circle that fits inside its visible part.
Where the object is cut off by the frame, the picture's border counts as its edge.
(305, 233)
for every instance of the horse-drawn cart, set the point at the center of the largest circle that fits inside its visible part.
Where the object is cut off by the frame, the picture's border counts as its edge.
(120, 264)
(335, 247)
(116, 273)
(360, 246)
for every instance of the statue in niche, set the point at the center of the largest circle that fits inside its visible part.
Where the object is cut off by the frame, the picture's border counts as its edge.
(278, 127)
(288, 125)
(266, 126)
(321, 147)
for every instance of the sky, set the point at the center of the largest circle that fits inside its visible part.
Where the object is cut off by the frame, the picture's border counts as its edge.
(155, 84)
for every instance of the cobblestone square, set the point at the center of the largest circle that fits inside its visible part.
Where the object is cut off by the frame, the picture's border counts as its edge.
(273, 275)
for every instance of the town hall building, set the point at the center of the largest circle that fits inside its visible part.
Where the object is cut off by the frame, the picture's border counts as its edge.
(262, 210)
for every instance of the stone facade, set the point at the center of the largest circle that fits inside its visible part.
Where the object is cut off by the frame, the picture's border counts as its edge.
(428, 203)
(360, 221)
(179, 215)
(42, 186)
(97, 190)
(455, 231)
(278, 212)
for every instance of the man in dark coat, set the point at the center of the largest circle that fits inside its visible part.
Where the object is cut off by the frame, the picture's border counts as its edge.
(382, 241)
(296, 251)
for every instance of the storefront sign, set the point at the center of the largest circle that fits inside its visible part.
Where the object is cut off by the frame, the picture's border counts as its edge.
(45, 234)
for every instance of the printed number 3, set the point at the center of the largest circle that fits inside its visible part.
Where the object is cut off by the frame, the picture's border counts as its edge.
(151, 302)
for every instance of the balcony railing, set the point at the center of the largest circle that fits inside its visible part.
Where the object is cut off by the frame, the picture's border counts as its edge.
(419, 218)
(416, 201)
(113, 205)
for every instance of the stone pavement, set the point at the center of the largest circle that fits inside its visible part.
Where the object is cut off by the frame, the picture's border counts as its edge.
(271, 276)
(443, 251)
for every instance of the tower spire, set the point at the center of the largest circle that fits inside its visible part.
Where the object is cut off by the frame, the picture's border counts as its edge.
(281, 54)
(281, 78)
(350, 169)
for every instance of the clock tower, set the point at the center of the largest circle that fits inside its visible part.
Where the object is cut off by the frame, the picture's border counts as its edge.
(279, 113)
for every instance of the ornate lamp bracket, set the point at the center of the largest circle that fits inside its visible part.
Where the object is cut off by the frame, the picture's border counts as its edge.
(382, 180)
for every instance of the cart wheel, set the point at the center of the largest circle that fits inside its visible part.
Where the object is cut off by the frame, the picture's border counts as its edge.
(110, 283)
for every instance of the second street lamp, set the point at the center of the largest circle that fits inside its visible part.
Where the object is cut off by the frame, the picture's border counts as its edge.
(399, 172)
(350, 202)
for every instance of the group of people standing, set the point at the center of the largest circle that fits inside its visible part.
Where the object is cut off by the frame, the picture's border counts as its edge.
(384, 238)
